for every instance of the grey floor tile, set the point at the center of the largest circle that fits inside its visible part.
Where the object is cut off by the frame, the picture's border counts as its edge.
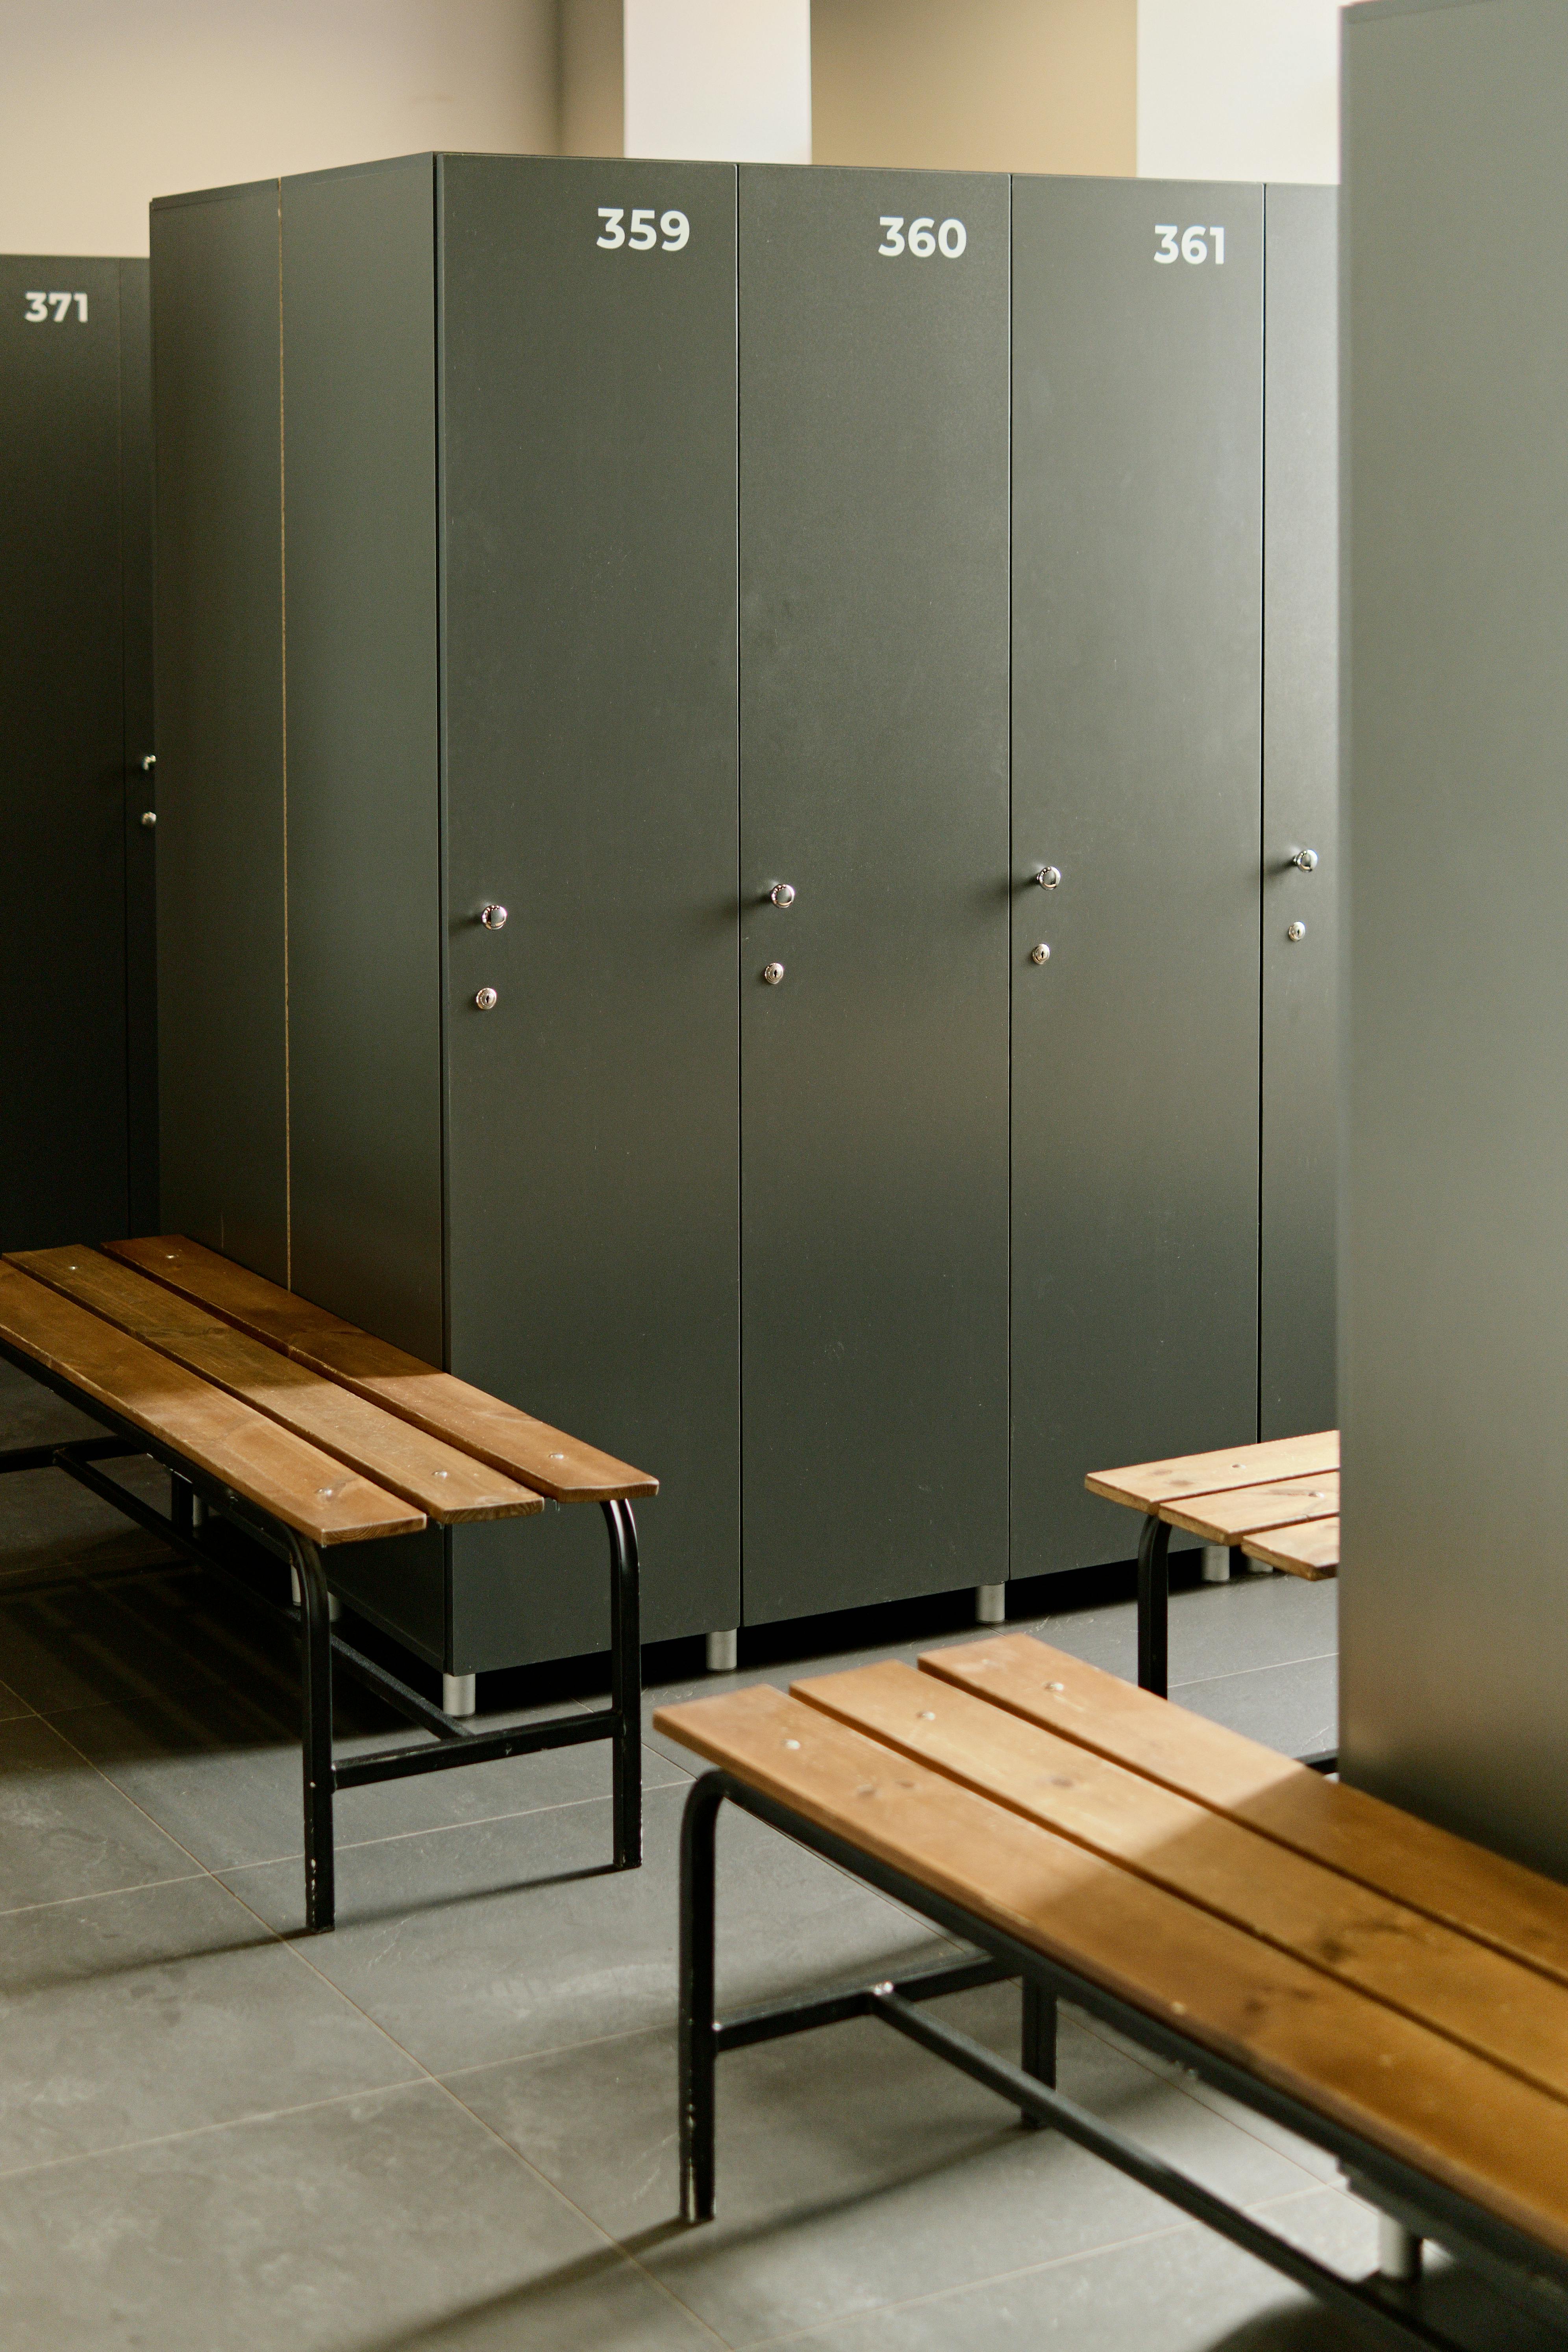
(484, 1942)
(1293, 1708)
(1302, 2153)
(1252, 1621)
(854, 2169)
(132, 2015)
(388, 2223)
(224, 1777)
(139, 1637)
(11, 1706)
(31, 1414)
(63, 1831)
(51, 1525)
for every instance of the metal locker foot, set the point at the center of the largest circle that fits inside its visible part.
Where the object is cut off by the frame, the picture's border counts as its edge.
(1216, 1563)
(723, 1651)
(334, 1606)
(1399, 2251)
(991, 1604)
(459, 1694)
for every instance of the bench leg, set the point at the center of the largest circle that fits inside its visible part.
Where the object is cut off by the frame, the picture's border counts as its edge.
(1039, 2051)
(316, 1694)
(697, 2022)
(626, 1684)
(1153, 1605)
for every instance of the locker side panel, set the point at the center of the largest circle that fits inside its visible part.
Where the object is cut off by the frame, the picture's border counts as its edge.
(62, 911)
(1300, 796)
(874, 782)
(364, 852)
(588, 448)
(221, 1013)
(1137, 485)
(140, 791)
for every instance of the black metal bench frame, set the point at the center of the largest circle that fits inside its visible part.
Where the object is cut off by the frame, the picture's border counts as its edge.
(1517, 2265)
(198, 1495)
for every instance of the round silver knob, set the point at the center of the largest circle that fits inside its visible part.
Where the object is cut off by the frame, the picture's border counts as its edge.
(1294, 932)
(149, 818)
(1041, 954)
(493, 918)
(773, 973)
(1048, 876)
(1307, 859)
(783, 894)
(486, 1000)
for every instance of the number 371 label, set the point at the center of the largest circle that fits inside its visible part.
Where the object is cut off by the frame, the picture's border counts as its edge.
(41, 308)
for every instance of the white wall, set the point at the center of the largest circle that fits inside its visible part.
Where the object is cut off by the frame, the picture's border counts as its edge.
(729, 79)
(1238, 89)
(107, 103)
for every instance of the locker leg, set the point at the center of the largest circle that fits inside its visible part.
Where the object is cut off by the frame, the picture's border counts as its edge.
(723, 1651)
(334, 1606)
(459, 1694)
(1216, 1563)
(991, 1604)
(1399, 2251)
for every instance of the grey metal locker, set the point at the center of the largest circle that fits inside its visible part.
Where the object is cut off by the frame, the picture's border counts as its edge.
(475, 419)
(874, 788)
(1300, 812)
(1137, 687)
(74, 887)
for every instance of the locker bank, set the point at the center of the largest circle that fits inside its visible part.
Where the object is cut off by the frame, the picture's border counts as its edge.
(746, 838)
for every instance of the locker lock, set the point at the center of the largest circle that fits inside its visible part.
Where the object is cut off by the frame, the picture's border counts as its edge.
(1307, 859)
(773, 973)
(493, 918)
(1048, 876)
(486, 1000)
(783, 894)
(1041, 954)
(1295, 933)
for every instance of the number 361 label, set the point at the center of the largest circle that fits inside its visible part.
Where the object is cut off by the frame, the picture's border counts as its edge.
(1194, 246)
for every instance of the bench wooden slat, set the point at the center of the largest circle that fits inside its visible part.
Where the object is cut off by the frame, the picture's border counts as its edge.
(1446, 2112)
(508, 1440)
(1497, 2007)
(449, 1487)
(1146, 1484)
(1481, 1893)
(1310, 1548)
(1246, 1510)
(306, 1489)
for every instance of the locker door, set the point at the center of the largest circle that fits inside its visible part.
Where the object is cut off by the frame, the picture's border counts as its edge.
(141, 786)
(874, 785)
(1137, 470)
(62, 880)
(588, 454)
(1300, 796)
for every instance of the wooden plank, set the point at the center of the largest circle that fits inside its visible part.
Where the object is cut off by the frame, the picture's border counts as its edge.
(242, 1448)
(1145, 1484)
(1247, 1510)
(511, 1441)
(1497, 2007)
(1481, 1893)
(1451, 2114)
(449, 1487)
(1309, 1549)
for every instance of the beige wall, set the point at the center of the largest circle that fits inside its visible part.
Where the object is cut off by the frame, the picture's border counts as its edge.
(593, 77)
(107, 103)
(989, 85)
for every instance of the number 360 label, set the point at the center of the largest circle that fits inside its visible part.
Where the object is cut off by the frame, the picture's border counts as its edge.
(672, 232)
(924, 238)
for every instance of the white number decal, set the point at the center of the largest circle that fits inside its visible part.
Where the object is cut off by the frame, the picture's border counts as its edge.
(949, 240)
(675, 228)
(38, 310)
(1193, 245)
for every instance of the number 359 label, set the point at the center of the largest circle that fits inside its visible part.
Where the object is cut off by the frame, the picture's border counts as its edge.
(1194, 246)
(642, 236)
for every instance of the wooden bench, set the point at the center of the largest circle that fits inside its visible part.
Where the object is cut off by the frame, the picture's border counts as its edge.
(1387, 1991)
(1277, 1503)
(282, 1426)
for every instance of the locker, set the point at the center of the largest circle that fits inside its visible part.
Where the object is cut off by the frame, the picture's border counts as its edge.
(874, 788)
(1137, 686)
(76, 1062)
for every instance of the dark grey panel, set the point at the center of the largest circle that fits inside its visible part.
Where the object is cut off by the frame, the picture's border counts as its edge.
(1137, 637)
(221, 1011)
(1300, 794)
(364, 936)
(141, 788)
(1454, 1350)
(874, 737)
(62, 913)
(588, 422)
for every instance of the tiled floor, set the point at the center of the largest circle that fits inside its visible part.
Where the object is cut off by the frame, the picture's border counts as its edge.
(451, 2124)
